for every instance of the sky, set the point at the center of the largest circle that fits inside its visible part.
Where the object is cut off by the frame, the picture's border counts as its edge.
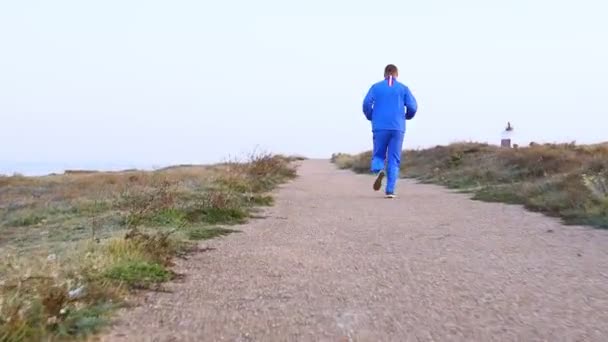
(145, 82)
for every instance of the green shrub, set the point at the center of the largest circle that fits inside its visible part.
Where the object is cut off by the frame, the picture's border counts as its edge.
(201, 233)
(138, 274)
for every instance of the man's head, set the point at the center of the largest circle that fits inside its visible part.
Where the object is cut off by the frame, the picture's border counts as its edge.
(391, 70)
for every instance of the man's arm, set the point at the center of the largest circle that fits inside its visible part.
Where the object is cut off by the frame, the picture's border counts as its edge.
(368, 104)
(410, 104)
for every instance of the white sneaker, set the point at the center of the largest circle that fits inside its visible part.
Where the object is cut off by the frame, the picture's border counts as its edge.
(391, 196)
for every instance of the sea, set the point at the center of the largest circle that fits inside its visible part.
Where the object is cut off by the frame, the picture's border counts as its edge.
(47, 168)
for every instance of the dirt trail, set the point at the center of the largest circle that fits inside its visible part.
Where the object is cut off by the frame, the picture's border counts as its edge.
(334, 261)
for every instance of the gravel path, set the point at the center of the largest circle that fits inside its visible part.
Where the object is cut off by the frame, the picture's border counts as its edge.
(334, 261)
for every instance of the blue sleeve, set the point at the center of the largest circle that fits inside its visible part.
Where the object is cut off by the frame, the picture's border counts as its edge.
(368, 104)
(410, 104)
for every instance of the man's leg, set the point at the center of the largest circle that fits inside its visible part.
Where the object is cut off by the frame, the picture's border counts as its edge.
(395, 146)
(381, 139)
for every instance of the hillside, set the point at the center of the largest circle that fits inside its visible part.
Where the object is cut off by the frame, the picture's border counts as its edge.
(562, 180)
(74, 247)
(335, 261)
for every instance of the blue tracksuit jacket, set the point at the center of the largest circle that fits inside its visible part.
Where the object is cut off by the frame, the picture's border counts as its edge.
(385, 104)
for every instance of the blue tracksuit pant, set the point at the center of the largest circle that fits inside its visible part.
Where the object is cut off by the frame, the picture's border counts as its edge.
(387, 149)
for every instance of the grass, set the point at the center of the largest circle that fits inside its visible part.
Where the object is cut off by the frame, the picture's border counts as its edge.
(560, 180)
(215, 215)
(138, 274)
(27, 220)
(201, 233)
(74, 246)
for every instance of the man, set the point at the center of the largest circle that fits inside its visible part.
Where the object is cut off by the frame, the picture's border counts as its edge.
(388, 104)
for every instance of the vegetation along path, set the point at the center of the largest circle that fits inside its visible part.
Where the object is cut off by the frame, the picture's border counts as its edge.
(334, 261)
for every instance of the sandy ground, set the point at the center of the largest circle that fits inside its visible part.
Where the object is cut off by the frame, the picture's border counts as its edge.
(335, 261)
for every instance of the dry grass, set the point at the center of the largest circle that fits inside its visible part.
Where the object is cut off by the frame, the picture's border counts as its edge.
(344, 161)
(561, 180)
(73, 246)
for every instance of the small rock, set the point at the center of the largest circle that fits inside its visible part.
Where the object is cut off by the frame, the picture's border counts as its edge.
(76, 293)
(550, 231)
(51, 258)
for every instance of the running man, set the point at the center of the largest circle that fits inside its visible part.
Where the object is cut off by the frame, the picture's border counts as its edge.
(388, 104)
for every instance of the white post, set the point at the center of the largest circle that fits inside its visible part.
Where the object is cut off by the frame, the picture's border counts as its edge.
(507, 136)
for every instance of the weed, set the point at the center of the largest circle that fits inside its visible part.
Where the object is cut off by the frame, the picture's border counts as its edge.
(138, 274)
(343, 160)
(84, 321)
(145, 204)
(208, 233)
(498, 194)
(25, 221)
(217, 215)
(261, 200)
(597, 185)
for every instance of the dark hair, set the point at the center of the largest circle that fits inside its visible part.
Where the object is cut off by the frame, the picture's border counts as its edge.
(390, 70)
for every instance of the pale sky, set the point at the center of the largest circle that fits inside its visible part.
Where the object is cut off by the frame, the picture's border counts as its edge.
(161, 82)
